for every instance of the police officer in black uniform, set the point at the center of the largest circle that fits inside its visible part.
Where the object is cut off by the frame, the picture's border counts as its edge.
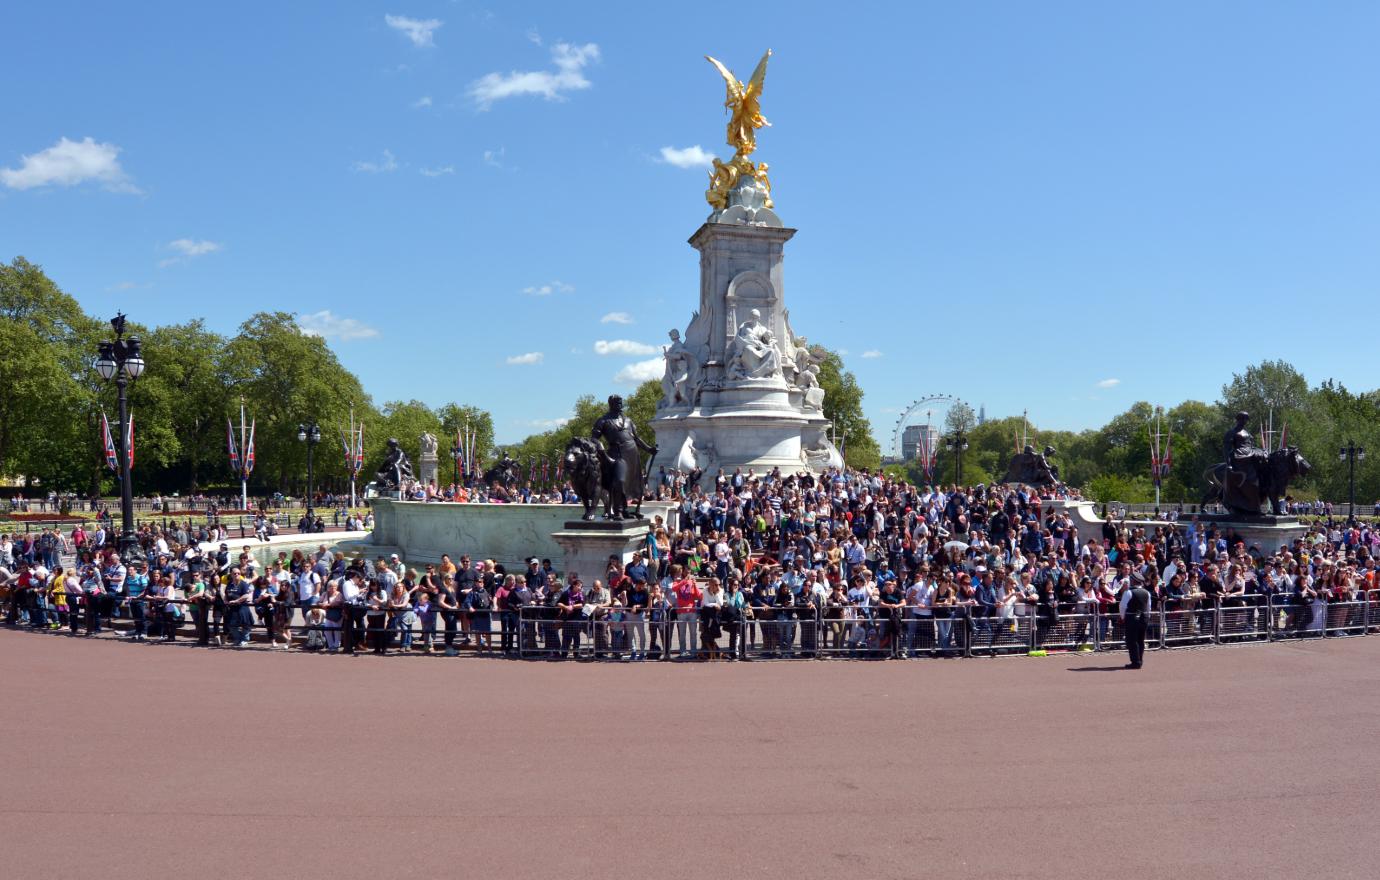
(1135, 617)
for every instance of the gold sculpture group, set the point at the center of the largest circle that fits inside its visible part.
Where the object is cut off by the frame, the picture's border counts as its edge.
(745, 110)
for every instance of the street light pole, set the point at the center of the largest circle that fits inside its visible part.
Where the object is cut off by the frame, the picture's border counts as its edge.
(123, 361)
(956, 444)
(310, 434)
(1351, 453)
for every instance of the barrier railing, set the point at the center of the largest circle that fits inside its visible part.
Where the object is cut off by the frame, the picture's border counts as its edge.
(1292, 620)
(1183, 623)
(1347, 618)
(539, 632)
(1242, 620)
(1070, 631)
(781, 634)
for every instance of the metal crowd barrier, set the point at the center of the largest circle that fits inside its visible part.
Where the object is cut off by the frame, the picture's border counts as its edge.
(537, 632)
(781, 634)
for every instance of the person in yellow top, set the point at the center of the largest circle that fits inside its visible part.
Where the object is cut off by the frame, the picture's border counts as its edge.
(57, 595)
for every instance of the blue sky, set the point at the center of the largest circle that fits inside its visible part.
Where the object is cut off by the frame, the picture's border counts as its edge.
(1059, 207)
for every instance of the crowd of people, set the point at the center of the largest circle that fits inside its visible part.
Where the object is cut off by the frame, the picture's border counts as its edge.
(772, 565)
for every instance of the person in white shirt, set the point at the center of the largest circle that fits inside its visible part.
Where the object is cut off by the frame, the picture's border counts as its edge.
(919, 604)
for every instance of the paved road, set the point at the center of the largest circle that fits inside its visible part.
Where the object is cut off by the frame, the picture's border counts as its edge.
(152, 761)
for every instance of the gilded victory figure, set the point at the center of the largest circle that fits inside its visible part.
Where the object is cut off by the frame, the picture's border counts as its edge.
(745, 112)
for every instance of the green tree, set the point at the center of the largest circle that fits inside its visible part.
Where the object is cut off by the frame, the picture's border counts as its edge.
(843, 407)
(48, 413)
(288, 378)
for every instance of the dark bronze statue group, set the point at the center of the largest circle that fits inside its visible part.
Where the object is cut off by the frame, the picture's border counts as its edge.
(1249, 476)
(610, 471)
(1247, 479)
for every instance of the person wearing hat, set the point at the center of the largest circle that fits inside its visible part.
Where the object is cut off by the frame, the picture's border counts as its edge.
(1135, 619)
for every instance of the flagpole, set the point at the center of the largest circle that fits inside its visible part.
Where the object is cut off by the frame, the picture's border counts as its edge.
(351, 462)
(244, 476)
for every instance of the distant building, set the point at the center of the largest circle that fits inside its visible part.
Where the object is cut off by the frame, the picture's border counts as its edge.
(916, 437)
(982, 413)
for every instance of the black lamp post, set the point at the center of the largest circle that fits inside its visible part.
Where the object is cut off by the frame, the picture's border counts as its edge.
(1351, 453)
(956, 444)
(123, 361)
(456, 453)
(309, 434)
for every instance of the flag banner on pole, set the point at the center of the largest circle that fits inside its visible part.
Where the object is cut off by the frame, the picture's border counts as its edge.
(129, 440)
(249, 451)
(108, 444)
(231, 447)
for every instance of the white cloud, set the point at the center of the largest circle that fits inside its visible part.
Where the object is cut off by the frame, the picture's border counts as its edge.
(622, 346)
(568, 76)
(494, 157)
(548, 289)
(388, 164)
(547, 424)
(616, 318)
(871, 353)
(534, 37)
(438, 171)
(423, 101)
(127, 285)
(418, 30)
(186, 249)
(636, 374)
(328, 325)
(689, 157)
(189, 248)
(1109, 383)
(531, 357)
(841, 352)
(68, 163)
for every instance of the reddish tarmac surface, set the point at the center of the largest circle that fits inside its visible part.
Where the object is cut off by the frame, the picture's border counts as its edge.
(158, 761)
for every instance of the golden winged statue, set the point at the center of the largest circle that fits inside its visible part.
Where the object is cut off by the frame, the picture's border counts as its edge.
(744, 105)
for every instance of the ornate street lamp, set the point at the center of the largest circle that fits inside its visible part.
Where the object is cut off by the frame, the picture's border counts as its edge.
(1351, 453)
(123, 361)
(956, 444)
(309, 434)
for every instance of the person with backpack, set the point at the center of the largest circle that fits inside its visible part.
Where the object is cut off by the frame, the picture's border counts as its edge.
(479, 603)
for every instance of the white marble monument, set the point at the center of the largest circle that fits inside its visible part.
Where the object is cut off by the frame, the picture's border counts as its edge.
(741, 390)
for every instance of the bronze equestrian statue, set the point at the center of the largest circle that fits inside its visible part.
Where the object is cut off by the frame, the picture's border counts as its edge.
(1250, 476)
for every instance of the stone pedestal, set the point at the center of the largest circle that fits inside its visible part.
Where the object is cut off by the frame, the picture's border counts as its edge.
(722, 409)
(1268, 531)
(421, 532)
(426, 469)
(587, 546)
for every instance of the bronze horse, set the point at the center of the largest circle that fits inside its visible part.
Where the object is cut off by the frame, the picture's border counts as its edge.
(1270, 485)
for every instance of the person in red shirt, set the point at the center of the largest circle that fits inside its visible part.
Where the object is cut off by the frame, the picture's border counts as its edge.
(686, 595)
